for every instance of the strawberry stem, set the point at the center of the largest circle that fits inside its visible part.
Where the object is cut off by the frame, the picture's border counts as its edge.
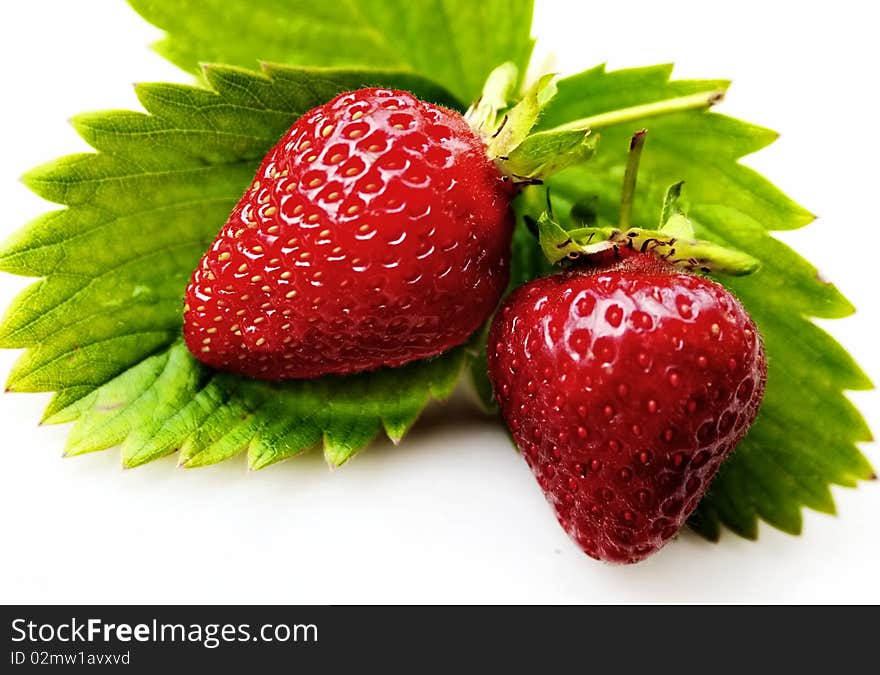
(630, 177)
(698, 101)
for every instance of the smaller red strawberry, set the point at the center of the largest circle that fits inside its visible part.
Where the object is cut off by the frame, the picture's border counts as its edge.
(626, 382)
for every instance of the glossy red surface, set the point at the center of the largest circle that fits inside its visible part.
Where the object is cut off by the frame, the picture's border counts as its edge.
(625, 389)
(376, 232)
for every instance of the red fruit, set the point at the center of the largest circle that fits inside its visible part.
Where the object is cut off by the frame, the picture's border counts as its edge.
(376, 232)
(625, 387)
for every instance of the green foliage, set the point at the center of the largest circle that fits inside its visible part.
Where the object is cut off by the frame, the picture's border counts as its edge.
(101, 327)
(170, 402)
(456, 42)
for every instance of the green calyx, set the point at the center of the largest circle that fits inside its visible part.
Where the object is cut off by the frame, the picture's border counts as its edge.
(507, 128)
(525, 156)
(692, 254)
(673, 240)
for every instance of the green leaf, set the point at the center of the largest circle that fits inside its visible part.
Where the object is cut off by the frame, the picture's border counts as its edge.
(170, 401)
(548, 152)
(102, 326)
(457, 42)
(805, 437)
(673, 204)
(498, 92)
(522, 117)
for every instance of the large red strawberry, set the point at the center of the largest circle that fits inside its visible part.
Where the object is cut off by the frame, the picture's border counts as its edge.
(625, 386)
(377, 232)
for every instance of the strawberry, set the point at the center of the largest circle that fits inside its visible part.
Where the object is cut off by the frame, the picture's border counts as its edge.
(376, 232)
(625, 381)
(625, 386)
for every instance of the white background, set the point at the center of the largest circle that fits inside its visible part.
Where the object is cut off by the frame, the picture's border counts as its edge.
(453, 515)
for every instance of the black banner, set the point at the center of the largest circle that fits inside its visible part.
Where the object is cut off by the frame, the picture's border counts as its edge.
(414, 639)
